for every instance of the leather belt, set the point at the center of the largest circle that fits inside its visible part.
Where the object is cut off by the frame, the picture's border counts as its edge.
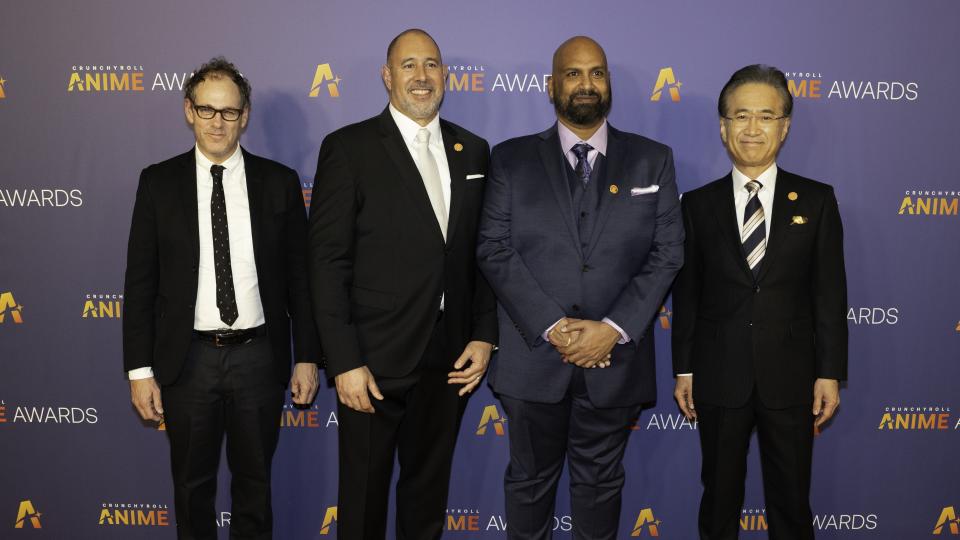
(224, 338)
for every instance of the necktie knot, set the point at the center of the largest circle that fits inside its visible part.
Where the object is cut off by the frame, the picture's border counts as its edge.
(423, 136)
(217, 171)
(581, 150)
(753, 187)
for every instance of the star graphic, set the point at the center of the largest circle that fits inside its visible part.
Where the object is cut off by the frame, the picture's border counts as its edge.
(657, 522)
(2, 81)
(337, 80)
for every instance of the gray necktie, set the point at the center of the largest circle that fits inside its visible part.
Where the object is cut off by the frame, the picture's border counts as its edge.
(431, 178)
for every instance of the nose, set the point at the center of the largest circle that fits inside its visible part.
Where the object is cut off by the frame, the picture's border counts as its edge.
(420, 73)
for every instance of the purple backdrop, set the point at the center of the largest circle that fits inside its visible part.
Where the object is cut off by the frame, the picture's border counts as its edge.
(874, 116)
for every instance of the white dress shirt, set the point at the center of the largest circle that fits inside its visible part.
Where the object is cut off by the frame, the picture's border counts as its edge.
(408, 131)
(768, 179)
(242, 262)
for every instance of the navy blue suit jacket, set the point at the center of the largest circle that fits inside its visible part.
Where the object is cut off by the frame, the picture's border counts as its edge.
(530, 251)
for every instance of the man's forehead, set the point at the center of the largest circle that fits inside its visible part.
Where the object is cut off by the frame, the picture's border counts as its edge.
(581, 54)
(413, 47)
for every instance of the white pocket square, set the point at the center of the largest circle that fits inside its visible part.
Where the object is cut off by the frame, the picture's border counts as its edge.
(474, 176)
(644, 190)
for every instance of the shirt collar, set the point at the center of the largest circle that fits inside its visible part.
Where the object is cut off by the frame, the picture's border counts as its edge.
(231, 163)
(569, 139)
(409, 128)
(767, 178)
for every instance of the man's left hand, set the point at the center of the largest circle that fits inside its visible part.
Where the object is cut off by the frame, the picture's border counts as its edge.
(478, 354)
(304, 383)
(596, 341)
(826, 399)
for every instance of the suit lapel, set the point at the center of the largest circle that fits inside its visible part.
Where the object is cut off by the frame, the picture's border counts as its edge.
(409, 174)
(188, 195)
(254, 174)
(783, 211)
(727, 219)
(613, 172)
(457, 166)
(553, 163)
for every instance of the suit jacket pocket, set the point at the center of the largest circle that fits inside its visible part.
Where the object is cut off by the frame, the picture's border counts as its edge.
(373, 299)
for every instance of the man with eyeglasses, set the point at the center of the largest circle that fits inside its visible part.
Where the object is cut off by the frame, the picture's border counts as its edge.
(216, 283)
(760, 330)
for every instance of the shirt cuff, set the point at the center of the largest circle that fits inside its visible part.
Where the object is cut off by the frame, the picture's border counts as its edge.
(624, 338)
(140, 373)
(684, 374)
(546, 333)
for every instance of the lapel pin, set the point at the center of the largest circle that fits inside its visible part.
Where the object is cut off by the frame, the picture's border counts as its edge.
(614, 189)
(799, 220)
(792, 195)
(458, 147)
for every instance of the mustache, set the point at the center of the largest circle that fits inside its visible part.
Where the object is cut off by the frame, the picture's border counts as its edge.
(420, 86)
(585, 93)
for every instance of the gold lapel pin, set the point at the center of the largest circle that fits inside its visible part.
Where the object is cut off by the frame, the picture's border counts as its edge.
(614, 189)
(458, 147)
(799, 220)
(792, 195)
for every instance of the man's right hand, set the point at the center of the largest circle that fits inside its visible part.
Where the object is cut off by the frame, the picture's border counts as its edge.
(683, 393)
(145, 395)
(355, 387)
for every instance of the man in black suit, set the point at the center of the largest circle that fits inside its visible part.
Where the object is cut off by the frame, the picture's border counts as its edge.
(759, 313)
(216, 279)
(580, 239)
(402, 310)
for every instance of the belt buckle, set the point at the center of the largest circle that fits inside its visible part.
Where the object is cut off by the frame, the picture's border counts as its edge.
(216, 341)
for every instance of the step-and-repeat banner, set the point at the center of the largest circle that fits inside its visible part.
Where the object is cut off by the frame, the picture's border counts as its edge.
(91, 92)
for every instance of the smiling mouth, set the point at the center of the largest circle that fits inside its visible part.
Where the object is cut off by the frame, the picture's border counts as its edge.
(421, 91)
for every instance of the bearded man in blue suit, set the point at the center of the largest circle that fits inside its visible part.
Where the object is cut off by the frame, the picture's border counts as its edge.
(580, 237)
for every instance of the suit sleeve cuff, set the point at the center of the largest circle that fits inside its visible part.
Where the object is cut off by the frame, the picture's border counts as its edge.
(546, 333)
(140, 373)
(624, 338)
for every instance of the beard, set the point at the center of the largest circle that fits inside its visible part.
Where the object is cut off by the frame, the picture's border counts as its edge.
(583, 114)
(422, 110)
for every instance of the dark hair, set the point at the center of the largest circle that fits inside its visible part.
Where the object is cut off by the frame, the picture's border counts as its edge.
(393, 42)
(215, 69)
(757, 73)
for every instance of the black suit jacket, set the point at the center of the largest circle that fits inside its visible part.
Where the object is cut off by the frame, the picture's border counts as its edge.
(779, 332)
(378, 261)
(160, 290)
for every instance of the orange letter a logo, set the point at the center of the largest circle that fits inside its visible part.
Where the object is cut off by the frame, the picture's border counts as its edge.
(27, 513)
(947, 517)
(646, 521)
(329, 520)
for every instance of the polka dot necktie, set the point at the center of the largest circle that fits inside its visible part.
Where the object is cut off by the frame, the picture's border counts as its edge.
(226, 296)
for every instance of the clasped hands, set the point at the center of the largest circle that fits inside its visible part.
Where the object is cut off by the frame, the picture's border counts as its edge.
(584, 343)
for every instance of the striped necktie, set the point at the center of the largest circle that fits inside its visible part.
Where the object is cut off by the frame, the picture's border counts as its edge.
(753, 234)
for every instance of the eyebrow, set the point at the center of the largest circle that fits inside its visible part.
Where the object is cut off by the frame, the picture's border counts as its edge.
(749, 110)
(594, 68)
(409, 58)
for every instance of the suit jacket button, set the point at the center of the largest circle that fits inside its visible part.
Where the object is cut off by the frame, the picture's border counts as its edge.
(576, 307)
(190, 306)
(756, 289)
(750, 324)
